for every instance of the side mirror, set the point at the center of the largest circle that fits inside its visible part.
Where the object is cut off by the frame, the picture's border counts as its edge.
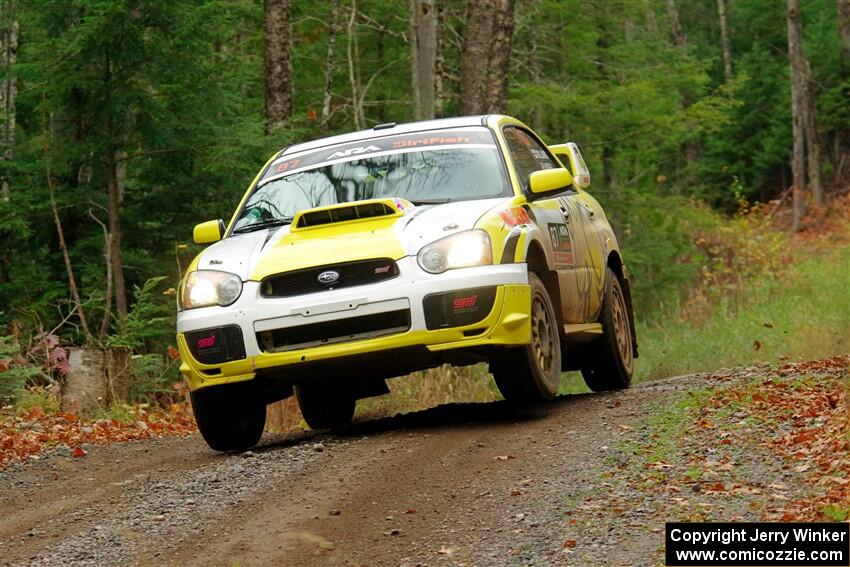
(570, 156)
(208, 232)
(548, 180)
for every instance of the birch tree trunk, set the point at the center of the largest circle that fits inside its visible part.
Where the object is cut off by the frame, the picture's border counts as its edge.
(116, 173)
(724, 40)
(485, 58)
(676, 24)
(478, 30)
(844, 28)
(630, 30)
(353, 71)
(333, 30)
(692, 147)
(503, 29)
(8, 88)
(423, 56)
(107, 256)
(810, 125)
(795, 56)
(439, 61)
(8, 94)
(278, 62)
(651, 19)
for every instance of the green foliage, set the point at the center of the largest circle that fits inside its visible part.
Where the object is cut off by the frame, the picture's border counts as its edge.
(657, 236)
(174, 92)
(800, 312)
(146, 319)
(837, 512)
(15, 371)
(122, 413)
(153, 379)
(155, 85)
(36, 397)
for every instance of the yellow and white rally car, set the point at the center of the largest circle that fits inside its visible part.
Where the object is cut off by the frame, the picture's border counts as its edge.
(357, 258)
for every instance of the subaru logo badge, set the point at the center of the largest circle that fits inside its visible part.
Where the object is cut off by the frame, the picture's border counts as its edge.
(329, 277)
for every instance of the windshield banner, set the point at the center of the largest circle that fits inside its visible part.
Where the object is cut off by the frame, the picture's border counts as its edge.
(405, 142)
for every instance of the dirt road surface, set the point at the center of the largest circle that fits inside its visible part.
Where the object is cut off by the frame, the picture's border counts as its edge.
(462, 484)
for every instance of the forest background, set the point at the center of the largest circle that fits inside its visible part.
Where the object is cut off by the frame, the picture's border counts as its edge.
(717, 133)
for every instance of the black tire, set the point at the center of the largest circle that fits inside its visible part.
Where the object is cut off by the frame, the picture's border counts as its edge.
(531, 374)
(611, 358)
(230, 417)
(325, 407)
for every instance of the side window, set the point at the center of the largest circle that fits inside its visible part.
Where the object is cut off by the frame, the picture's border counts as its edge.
(527, 153)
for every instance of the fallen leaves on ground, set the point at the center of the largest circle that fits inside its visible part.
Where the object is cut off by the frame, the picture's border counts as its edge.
(807, 407)
(826, 227)
(29, 433)
(757, 443)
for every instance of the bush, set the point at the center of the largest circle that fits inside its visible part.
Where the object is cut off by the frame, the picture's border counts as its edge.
(683, 256)
(37, 396)
(656, 235)
(16, 371)
(148, 319)
(155, 380)
(735, 252)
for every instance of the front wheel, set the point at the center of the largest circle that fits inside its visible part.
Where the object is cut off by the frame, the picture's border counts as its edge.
(532, 373)
(611, 359)
(324, 407)
(229, 417)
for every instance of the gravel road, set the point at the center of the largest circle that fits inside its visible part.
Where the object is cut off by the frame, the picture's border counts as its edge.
(460, 484)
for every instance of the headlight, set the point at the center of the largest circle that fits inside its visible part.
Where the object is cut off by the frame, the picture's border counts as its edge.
(462, 250)
(210, 287)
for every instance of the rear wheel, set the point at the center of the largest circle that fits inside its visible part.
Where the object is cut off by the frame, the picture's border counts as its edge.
(325, 407)
(610, 361)
(532, 373)
(230, 417)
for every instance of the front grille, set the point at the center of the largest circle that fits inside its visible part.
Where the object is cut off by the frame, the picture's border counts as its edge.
(339, 330)
(350, 274)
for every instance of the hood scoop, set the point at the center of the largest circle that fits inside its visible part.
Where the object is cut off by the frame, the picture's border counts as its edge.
(351, 213)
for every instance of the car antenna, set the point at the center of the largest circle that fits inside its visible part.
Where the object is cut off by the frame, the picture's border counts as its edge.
(386, 126)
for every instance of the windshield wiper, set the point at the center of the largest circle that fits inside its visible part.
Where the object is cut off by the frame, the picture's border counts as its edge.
(268, 223)
(430, 202)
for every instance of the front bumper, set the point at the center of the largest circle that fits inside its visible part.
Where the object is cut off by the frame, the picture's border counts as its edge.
(506, 324)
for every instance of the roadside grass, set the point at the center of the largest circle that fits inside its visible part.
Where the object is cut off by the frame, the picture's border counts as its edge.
(120, 413)
(667, 427)
(37, 397)
(758, 444)
(802, 313)
(670, 424)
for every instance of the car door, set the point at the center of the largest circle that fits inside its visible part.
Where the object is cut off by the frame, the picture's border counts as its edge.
(561, 218)
(597, 231)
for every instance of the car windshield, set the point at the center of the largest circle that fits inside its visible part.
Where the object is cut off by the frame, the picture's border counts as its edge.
(423, 168)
